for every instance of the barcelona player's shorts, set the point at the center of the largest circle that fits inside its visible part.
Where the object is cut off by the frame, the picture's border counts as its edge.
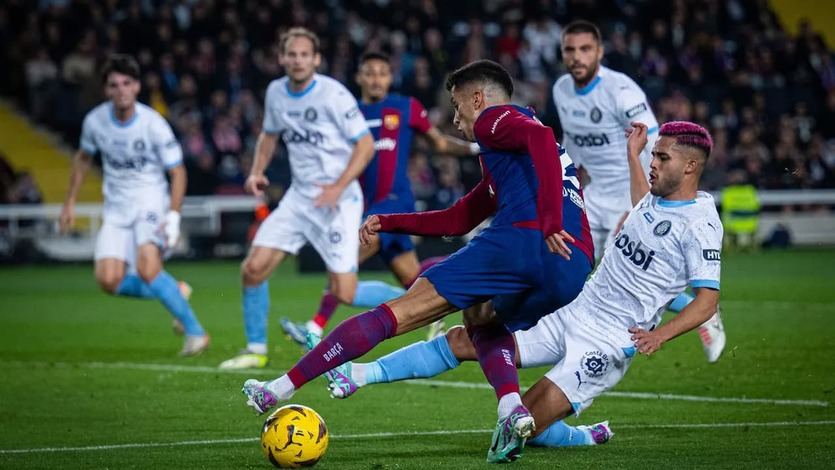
(512, 267)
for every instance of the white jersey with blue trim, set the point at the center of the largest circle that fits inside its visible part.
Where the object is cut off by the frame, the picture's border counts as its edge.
(593, 120)
(320, 125)
(663, 247)
(135, 155)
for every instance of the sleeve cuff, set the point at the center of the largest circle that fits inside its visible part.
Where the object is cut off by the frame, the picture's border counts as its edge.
(88, 150)
(708, 283)
(169, 166)
(357, 137)
(269, 131)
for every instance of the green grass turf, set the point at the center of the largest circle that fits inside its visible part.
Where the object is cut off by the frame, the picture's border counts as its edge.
(56, 329)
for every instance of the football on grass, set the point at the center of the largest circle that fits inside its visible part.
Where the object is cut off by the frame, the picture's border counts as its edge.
(294, 436)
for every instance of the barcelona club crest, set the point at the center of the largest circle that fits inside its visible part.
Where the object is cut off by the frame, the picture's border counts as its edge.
(391, 121)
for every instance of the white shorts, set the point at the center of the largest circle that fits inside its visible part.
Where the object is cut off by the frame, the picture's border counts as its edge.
(590, 356)
(119, 240)
(334, 233)
(604, 212)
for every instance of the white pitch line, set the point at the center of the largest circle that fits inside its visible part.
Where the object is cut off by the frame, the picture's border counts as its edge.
(779, 303)
(377, 435)
(698, 398)
(768, 424)
(640, 395)
(420, 382)
(176, 368)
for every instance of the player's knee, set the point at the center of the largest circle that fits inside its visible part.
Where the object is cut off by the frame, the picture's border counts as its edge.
(460, 344)
(148, 272)
(253, 272)
(344, 294)
(109, 282)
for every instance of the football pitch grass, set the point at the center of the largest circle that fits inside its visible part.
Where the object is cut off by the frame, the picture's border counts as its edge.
(92, 381)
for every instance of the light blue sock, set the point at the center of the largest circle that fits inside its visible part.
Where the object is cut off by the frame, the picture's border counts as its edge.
(133, 286)
(680, 302)
(370, 294)
(256, 304)
(419, 360)
(166, 290)
(560, 434)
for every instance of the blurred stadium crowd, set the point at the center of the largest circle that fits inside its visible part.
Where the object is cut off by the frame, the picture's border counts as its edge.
(768, 98)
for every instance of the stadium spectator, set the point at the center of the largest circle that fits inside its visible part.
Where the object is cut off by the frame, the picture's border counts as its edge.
(728, 65)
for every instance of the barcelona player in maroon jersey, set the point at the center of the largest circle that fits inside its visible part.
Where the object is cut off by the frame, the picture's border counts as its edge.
(393, 120)
(532, 259)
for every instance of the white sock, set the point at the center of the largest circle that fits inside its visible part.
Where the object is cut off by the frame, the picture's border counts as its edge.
(281, 387)
(508, 403)
(257, 348)
(313, 327)
(586, 430)
(358, 374)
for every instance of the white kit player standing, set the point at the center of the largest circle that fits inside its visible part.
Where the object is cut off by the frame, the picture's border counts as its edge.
(329, 145)
(141, 220)
(595, 104)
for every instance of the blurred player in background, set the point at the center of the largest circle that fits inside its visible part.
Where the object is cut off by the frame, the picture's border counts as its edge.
(595, 104)
(524, 263)
(141, 219)
(393, 120)
(329, 146)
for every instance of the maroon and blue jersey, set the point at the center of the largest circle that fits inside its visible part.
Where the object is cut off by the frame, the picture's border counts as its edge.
(393, 122)
(538, 190)
(530, 188)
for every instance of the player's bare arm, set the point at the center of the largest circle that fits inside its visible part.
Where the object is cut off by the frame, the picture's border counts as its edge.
(697, 312)
(448, 144)
(635, 143)
(360, 157)
(256, 182)
(178, 182)
(80, 166)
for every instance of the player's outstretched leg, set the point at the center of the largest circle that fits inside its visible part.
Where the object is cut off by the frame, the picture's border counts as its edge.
(560, 434)
(711, 332)
(351, 339)
(423, 359)
(367, 294)
(437, 327)
(340, 379)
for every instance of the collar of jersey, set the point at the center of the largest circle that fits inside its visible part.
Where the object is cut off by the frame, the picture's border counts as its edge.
(526, 111)
(127, 123)
(299, 94)
(665, 203)
(588, 88)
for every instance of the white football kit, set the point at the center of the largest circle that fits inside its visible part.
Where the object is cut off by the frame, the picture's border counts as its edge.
(319, 125)
(593, 120)
(135, 157)
(663, 247)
